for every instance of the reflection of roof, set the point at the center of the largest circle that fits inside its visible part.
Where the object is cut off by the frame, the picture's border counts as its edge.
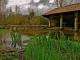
(69, 8)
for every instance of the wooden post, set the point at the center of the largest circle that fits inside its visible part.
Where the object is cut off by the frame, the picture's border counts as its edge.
(50, 18)
(76, 21)
(61, 21)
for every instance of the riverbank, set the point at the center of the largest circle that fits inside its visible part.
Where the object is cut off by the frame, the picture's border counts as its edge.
(44, 46)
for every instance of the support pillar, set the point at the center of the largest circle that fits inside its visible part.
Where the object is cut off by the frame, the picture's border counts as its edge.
(61, 21)
(76, 21)
(50, 18)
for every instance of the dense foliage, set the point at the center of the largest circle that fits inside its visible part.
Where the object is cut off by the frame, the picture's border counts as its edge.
(19, 19)
(47, 48)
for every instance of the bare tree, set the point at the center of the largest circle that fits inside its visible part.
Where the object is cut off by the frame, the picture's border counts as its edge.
(71, 1)
(3, 4)
(31, 14)
(58, 3)
(17, 9)
(0, 6)
(61, 3)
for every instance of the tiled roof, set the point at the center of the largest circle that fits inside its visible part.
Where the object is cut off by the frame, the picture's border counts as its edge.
(69, 8)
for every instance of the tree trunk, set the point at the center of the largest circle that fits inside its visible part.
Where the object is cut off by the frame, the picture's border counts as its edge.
(57, 3)
(60, 3)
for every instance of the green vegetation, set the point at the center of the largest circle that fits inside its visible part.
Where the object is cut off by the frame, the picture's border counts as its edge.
(44, 48)
(11, 55)
(48, 48)
(3, 31)
(23, 20)
(16, 39)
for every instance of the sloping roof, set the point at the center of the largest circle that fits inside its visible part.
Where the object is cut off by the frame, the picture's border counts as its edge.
(69, 8)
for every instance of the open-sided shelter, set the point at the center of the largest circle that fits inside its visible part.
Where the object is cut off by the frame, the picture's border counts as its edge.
(67, 16)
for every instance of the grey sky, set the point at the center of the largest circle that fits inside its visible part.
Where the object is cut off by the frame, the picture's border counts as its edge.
(40, 5)
(25, 4)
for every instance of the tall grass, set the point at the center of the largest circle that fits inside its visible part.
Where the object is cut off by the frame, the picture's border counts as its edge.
(48, 48)
(16, 39)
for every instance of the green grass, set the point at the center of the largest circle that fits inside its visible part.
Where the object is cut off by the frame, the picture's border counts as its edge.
(3, 31)
(48, 48)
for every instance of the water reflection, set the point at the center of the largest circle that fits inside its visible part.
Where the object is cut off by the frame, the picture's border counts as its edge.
(7, 40)
(32, 32)
(76, 36)
(0, 39)
(71, 34)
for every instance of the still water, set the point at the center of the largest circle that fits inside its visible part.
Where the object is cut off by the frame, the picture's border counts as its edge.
(31, 32)
(5, 39)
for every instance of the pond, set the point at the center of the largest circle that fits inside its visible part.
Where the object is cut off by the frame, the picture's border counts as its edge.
(37, 31)
(7, 44)
(6, 40)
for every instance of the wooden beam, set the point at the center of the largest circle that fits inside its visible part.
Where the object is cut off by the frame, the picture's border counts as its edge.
(61, 21)
(76, 21)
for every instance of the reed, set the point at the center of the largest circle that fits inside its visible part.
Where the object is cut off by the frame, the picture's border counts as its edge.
(52, 48)
(16, 39)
